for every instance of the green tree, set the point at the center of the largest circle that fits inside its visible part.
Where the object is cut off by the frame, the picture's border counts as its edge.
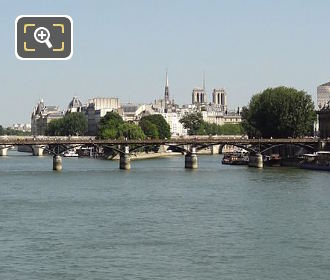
(231, 129)
(75, 124)
(55, 128)
(212, 129)
(130, 131)
(197, 126)
(112, 118)
(194, 123)
(112, 126)
(70, 124)
(149, 129)
(163, 128)
(279, 112)
(109, 125)
(108, 133)
(10, 131)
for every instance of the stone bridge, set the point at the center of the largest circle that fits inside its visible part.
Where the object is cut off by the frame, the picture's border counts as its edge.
(186, 145)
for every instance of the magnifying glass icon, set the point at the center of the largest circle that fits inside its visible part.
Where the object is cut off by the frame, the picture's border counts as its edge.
(41, 35)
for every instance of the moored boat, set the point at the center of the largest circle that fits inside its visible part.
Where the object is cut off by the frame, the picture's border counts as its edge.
(236, 158)
(273, 160)
(316, 161)
(70, 154)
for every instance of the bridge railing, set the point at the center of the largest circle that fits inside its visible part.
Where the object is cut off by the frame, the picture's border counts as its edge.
(49, 140)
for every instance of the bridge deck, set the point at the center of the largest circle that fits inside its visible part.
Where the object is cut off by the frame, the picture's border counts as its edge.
(16, 140)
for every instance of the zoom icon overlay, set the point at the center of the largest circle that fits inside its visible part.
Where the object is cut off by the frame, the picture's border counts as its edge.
(43, 37)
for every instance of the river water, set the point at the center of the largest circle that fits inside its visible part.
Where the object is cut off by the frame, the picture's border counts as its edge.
(160, 221)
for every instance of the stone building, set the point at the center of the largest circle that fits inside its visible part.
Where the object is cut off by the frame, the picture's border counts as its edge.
(105, 103)
(216, 115)
(324, 122)
(24, 127)
(75, 106)
(198, 96)
(323, 95)
(134, 112)
(42, 115)
(219, 98)
(173, 119)
(96, 109)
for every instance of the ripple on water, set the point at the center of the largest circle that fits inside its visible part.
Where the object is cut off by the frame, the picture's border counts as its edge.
(159, 221)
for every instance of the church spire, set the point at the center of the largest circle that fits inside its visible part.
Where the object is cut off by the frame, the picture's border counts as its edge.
(166, 79)
(167, 92)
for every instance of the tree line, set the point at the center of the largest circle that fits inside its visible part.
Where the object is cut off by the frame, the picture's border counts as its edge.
(195, 125)
(72, 124)
(111, 126)
(10, 131)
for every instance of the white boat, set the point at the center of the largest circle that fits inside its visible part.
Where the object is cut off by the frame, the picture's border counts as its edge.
(70, 154)
(317, 161)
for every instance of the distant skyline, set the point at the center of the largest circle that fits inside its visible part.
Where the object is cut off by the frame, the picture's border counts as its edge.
(123, 48)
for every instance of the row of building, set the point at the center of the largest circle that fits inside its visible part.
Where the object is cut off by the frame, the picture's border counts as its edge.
(215, 111)
(95, 108)
(21, 127)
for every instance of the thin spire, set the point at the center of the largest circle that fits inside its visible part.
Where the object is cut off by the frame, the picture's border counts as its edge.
(167, 94)
(166, 78)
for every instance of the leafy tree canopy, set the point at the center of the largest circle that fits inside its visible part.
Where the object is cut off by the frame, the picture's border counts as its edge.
(111, 118)
(130, 131)
(279, 112)
(10, 131)
(70, 124)
(149, 129)
(112, 126)
(195, 125)
(163, 128)
(109, 125)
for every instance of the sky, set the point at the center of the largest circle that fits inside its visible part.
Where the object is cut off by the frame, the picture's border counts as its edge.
(123, 48)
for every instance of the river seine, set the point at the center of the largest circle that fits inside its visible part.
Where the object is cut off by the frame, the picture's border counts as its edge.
(160, 221)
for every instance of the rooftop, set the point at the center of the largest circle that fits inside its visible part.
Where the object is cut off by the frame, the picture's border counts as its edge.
(325, 85)
(75, 103)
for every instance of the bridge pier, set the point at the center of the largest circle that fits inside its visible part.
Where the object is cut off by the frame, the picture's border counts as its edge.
(190, 159)
(125, 160)
(256, 161)
(38, 150)
(4, 150)
(215, 149)
(321, 145)
(57, 163)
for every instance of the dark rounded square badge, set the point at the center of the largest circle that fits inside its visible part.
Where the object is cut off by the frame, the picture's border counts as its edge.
(41, 37)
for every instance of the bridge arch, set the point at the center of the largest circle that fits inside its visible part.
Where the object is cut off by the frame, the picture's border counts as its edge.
(203, 146)
(306, 147)
(249, 149)
(6, 147)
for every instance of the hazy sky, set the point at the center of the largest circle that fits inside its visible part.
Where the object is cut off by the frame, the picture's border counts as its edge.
(122, 48)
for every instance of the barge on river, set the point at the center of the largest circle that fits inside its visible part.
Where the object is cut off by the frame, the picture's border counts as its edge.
(236, 158)
(317, 161)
